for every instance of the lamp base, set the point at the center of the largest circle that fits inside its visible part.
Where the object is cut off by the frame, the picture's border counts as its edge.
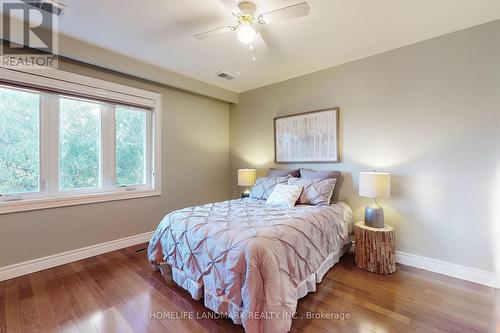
(374, 215)
(246, 194)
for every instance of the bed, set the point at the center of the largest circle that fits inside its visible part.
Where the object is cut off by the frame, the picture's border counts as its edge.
(251, 261)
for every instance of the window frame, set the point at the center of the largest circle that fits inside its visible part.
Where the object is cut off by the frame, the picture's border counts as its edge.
(53, 84)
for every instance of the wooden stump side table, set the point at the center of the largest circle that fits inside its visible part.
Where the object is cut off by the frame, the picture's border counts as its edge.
(375, 248)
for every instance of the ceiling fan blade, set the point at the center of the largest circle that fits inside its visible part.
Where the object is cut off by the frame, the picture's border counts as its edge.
(298, 10)
(260, 43)
(214, 32)
(231, 5)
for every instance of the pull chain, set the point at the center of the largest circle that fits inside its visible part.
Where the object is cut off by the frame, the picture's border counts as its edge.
(238, 72)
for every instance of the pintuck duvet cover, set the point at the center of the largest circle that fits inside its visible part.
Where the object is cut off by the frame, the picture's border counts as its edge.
(251, 261)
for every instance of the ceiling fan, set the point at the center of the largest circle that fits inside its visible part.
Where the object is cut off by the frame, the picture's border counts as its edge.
(246, 19)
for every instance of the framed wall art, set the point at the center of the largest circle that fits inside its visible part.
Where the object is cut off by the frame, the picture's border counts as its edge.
(307, 137)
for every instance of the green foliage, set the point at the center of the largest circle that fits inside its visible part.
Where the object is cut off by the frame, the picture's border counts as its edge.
(19, 141)
(79, 144)
(130, 146)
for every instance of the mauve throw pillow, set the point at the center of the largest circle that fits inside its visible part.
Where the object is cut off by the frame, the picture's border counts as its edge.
(316, 191)
(264, 186)
(283, 173)
(307, 173)
(323, 174)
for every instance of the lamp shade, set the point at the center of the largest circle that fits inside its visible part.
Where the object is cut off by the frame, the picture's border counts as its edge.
(375, 184)
(246, 177)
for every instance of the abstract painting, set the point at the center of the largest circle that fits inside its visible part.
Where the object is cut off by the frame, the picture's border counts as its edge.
(307, 137)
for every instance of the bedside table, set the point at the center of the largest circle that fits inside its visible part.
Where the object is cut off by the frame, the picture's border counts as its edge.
(375, 248)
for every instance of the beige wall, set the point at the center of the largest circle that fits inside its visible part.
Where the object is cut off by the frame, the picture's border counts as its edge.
(429, 114)
(195, 167)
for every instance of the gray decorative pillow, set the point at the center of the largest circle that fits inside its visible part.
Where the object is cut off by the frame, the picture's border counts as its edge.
(283, 173)
(264, 186)
(322, 174)
(316, 192)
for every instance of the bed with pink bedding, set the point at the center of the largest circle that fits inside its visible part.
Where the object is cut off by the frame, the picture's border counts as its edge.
(251, 261)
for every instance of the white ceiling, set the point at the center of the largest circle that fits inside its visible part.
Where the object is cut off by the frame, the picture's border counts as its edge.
(160, 32)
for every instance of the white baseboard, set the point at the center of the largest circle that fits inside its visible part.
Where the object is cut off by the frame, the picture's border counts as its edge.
(27, 267)
(471, 274)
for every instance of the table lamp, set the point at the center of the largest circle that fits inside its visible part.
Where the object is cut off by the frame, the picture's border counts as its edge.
(246, 178)
(374, 185)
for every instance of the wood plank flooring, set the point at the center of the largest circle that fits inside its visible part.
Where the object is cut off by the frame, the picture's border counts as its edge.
(120, 292)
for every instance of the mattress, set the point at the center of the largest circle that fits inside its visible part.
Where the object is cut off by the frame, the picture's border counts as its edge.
(251, 261)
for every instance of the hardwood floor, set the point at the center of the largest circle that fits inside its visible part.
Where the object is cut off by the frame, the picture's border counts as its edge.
(120, 292)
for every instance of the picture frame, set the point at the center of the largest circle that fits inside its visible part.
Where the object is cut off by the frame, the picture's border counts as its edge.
(307, 137)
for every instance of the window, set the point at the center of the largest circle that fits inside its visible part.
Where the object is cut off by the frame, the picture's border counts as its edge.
(78, 140)
(131, 144)
(79, 144)
(19, 141)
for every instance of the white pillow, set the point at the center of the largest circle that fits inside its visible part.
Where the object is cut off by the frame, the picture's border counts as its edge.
(284, 195)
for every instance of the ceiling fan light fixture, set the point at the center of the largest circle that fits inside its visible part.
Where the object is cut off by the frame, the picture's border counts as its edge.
(246, 34)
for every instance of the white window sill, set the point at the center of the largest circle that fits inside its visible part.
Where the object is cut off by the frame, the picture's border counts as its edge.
(82, 199)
